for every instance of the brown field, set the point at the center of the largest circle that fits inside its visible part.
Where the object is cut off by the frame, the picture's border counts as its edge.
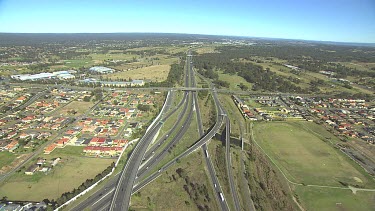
(153, 73)
(79, 107)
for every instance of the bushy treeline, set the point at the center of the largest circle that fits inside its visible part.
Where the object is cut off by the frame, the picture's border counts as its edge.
(174, 77)
(261, 79)
(309, 57)
(325, 53)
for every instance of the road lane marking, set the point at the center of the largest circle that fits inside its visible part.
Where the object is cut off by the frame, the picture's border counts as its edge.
(103, 196)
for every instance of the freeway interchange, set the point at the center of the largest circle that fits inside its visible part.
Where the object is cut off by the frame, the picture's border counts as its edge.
(149, 152)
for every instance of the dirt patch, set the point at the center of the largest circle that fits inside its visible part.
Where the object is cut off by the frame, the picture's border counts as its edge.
(357, 179)
(14, 164)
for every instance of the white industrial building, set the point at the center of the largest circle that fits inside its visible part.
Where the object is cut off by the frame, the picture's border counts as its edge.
(66, 76)
(62, 75)
(101, 70)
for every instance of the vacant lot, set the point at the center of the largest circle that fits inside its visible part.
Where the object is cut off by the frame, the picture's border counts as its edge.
(71, 172)
(6, 158)
(78, 107)
(306, 158)
(153, 73)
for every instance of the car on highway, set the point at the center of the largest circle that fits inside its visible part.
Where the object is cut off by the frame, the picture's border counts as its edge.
(221, 196)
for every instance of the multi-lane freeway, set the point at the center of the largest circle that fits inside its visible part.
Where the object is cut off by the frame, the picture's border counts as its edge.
(140, 168)
(132, 170)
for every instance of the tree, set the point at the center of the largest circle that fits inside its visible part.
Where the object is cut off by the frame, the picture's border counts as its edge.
(243, 87)
(87, 98)
(144, 107)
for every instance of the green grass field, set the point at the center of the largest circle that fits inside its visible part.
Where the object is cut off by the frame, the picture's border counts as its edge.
(329, 199)
(119, 168)
(359, 65)
(120, 56)
(306, 158)
(234, 81)
(77, 63)
(305, 154)
(71, 172)
(6, 158)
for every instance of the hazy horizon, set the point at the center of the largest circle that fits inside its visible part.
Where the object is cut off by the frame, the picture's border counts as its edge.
(317, 20)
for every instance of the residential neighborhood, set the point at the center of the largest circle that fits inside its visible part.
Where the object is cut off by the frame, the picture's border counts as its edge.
(58, 117)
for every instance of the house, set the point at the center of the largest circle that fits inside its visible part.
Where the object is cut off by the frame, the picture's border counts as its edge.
(49, 148)
(20, 99)
(32, 169)
(62, 142)
(3, 121)
(98, 150)
(96, 141)
(24, 136)
(12, 134)
(120, 142)
(12, 146)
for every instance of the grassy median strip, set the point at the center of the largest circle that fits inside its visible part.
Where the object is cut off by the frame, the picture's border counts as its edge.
(184, 186)
(217, 153)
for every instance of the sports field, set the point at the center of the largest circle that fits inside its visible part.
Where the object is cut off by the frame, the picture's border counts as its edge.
(68, 174)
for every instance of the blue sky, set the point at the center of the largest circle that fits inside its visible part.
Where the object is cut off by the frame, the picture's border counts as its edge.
(327, 20)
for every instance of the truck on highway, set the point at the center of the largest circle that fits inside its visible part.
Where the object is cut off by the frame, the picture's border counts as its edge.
(205, 151)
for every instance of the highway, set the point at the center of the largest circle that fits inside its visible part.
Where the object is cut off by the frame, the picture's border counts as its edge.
(229, 165)
(152, 158)
(150, 152)
(117, 196)
(208, 136)
(124, 186)
(121, 197)
(101, 199)
(122, 192)
(211, 170)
